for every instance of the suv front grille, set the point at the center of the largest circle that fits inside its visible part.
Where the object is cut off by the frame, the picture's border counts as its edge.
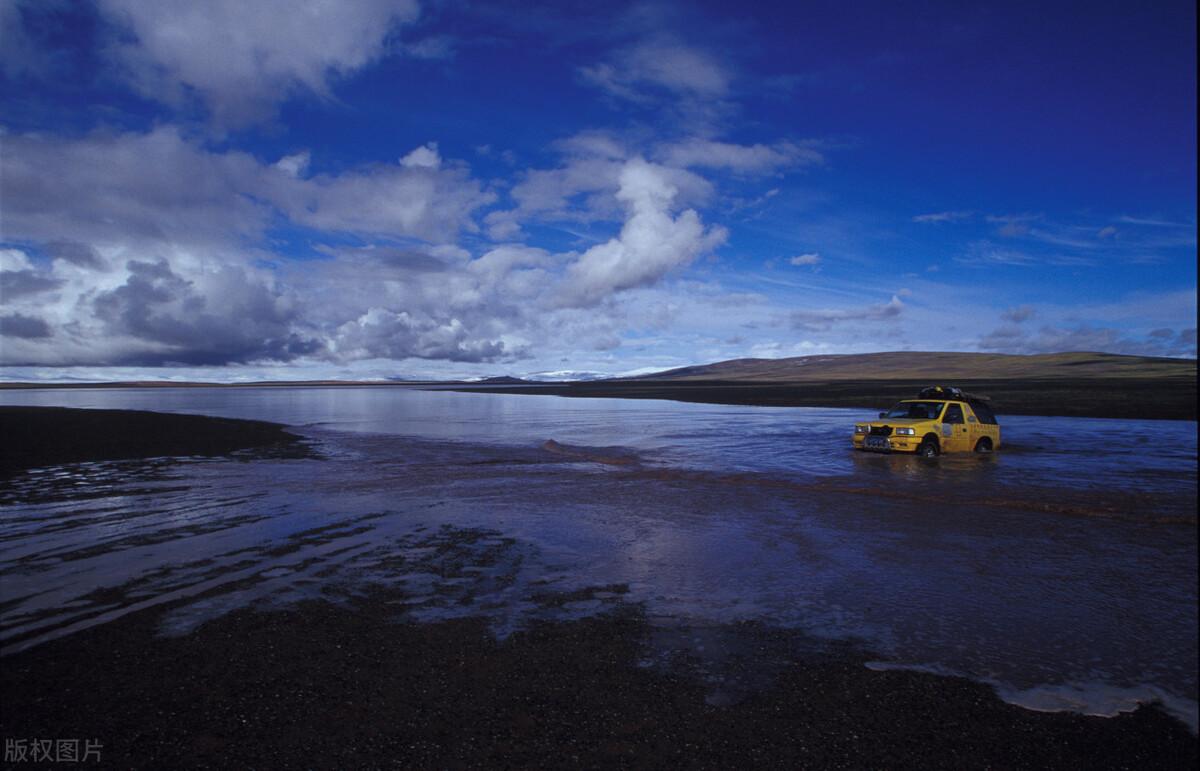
(881, 430)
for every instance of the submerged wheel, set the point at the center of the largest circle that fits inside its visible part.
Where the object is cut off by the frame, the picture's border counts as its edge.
(928, 449)
(983, 445)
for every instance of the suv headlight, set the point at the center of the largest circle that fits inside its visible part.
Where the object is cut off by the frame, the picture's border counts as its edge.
(906, 432)
(860, 429)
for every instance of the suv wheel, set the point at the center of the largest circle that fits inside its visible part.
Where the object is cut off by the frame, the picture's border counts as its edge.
(928, 449)
(983, 445)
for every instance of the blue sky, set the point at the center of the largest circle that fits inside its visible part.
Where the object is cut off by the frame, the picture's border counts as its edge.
(393, 188)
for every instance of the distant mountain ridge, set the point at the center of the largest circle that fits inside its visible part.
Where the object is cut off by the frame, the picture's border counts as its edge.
(937, 367)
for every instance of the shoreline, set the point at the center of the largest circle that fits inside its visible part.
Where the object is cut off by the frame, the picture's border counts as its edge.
(321, 684)
(1163, 398)
(1128, 398)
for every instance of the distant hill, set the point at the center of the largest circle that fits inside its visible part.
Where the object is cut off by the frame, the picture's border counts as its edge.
(1070, 384)
(935, 367)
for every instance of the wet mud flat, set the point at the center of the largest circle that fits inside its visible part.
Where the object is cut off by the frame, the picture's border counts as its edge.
(343, 683)
(42, 436)
(345, 612)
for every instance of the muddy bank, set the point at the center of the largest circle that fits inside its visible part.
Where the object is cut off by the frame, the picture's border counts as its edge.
(323, 685)
(1149, 399)
(42, 436)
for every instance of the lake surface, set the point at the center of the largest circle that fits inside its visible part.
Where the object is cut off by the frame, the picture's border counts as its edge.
(1062, 569)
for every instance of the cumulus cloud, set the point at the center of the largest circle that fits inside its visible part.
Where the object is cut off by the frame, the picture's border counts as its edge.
(584, 187)
(110, 189)
(826, 319)
(106, 190)
(652, 242)
(424, 157)
(419, 198)
(161, 253)
(294, 165)
(241, 58)
(217, 318)
(25, 327)
(383, 333)
(75, 253)
(17, 283)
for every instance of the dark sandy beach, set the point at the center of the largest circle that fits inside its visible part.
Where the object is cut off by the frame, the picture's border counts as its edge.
(41, 436)
(341, 682)
(329, 686)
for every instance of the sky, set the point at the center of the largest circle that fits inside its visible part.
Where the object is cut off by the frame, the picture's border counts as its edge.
(229, 191)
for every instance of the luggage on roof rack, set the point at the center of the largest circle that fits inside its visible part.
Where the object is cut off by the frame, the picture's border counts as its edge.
(941, 392)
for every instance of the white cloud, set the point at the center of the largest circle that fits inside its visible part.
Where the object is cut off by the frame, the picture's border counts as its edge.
(14, 259)
(243, 58)
(423, 157)
(1083, 337)
(112, 190)
(294, 165)
(824, 319)
(159, 187)
(584, 187)
(639, 71)
(942, 216)
(806, 259)
(652, 242)
(1154, 222)
(744, 159)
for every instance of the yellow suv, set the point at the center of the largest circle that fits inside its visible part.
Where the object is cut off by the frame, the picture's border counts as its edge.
(939, 420)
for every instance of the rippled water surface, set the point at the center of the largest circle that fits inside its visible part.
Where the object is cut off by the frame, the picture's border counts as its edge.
(1062, 569)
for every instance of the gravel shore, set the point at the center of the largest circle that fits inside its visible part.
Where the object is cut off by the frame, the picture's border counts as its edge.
(325, 685)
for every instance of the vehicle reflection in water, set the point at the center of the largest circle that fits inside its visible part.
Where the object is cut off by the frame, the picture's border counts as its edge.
(1064, 576)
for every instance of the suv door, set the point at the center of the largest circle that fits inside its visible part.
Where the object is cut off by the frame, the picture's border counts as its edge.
(956, 436)
(975, 429)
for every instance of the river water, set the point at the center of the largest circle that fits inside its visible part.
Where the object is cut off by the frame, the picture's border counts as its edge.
(1061, 569)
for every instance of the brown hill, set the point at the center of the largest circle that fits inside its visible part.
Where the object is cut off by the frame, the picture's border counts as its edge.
(1071, 384)
(936, 367)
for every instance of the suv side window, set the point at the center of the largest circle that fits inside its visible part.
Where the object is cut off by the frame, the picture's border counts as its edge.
(954, 414)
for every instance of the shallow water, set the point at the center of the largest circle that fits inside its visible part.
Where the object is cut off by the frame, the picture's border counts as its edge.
(1062, 569)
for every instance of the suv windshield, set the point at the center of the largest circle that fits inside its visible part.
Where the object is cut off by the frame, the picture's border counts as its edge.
(915, 410)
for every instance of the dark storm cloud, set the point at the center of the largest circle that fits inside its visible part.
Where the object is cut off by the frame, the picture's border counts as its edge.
(18, 283)
(24, 327)
(232, 318)
(75, 253)
(407, 259)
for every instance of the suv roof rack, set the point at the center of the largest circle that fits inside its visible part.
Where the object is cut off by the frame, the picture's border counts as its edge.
(949, 392)
(940, 392)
